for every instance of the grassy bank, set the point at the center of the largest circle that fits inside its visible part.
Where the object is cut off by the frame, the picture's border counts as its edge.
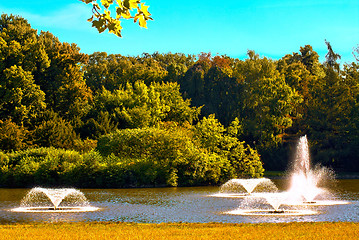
(102, 230)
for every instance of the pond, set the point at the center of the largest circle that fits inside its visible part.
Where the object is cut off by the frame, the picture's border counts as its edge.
(193, 204)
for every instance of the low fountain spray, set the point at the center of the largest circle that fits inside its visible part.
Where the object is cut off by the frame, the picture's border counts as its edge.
(49, 199)
(245, 187)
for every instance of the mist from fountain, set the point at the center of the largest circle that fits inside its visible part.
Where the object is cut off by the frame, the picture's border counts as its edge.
(306, 182)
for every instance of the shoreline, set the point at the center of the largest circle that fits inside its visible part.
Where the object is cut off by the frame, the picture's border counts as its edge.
(283, 175)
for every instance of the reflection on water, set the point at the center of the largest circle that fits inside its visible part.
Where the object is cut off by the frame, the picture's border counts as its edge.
(156, 205)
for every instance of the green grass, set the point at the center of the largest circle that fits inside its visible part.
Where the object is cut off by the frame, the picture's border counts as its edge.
(167, 231)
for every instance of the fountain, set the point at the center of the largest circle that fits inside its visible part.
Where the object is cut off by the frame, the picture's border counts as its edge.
(49, 199)
(274, 200)
(306, 182)
(305, 188)
(237, 188)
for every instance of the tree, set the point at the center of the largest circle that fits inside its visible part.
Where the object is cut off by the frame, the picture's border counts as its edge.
(115, 71)
(332, 113)
(309, 58)
(66, 90)
(19, 45)
(167, 155)
(20, 98)
(210, 83)
(21, 55)
(331, 57)
(242, 159)
(176, 64)
(12, 136)
(268, 102)
(101, 71)
(138, 105)
(351, 77)
(103, 20)
(300, 79)
(222, 94)
(304, 73)
(55, 132)
(356, 53)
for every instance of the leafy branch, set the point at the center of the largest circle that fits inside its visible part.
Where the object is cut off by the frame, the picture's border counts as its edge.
(125, 9)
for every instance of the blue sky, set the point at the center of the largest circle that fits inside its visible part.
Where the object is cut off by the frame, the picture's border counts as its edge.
(271, 28)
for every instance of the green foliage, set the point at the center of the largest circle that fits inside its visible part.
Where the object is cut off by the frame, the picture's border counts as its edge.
(167, 156)
(116, 71)
(155, 112)
(21, 54)
(176, 64)
(21, 99)
(37, 166)
(100, 125)
(12, 136)
(244, 160)
(164, 156)
(328, 114)
(267, 101)
(55, 132)
(142, 106)
(66, 90)
(20, 46)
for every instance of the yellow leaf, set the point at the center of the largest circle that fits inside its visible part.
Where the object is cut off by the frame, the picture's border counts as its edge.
(133, 4)
(144, 9)
(142, 21)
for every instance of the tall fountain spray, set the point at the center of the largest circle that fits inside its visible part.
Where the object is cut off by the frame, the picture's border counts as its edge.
(305, 181)
(302, 159)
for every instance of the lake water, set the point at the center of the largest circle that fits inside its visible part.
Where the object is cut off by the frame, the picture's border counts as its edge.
(194, 204)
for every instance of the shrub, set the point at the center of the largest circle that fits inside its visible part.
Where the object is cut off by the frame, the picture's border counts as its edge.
(163, 156)
(38, 166)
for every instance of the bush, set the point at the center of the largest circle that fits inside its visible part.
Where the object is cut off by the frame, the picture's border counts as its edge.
(163, 156)
(38, 166)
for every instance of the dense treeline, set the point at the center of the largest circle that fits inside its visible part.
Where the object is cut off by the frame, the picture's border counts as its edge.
(165, 119)
(67, 118)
